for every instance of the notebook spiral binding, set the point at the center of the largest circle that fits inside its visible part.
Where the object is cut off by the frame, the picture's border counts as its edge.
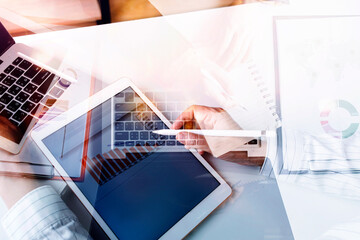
(264, 91)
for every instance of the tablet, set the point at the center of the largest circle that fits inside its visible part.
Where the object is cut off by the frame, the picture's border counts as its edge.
(134, 187)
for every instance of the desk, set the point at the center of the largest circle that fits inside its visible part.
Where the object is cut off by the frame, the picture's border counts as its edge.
(154, 54)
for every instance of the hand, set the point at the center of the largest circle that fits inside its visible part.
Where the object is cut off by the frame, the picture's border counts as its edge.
(197, 117)
(13, 188)
(207, 118)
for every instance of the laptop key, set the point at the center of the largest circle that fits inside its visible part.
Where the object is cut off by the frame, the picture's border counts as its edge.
(2, 76)
(1, 61)
(6, 98)
(119, 95)
(2, 89)
(30, 88)
(135, 116)
(33, 112)
(2, 106)
(140, 107)
(9, 69)
(144, 135)
(119, 143)
(154, 136)
(139, 126)
(134, 135)
(119, 126)
(17, 72)
(25, 64)
(36, 97)
(32, 71)
(129, 143)
(150, 143)
(14, 90)
(17, 61)
(45, 86)
(28, 106)
(161, 106)
(9, 81)
(14, 105)
(120, 116)
(129, 126)
(41, 76)
(125, 107)
(163, 137)
(155, 117)
(121, 135)
(129, 97)
(19, 116)
(167, 115)
(56, 92)
(170, 143)
(22, 96)
(22, 81)
(141, 143)
(159, 125)
(160, 143)
(50, 102)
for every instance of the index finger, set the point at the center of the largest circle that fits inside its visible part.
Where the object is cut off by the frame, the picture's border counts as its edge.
(186, 116)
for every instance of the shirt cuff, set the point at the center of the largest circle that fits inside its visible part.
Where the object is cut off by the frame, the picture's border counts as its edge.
(266, 168)
(35, 212)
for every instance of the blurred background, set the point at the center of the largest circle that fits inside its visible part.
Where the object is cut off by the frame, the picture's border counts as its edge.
(23, 17)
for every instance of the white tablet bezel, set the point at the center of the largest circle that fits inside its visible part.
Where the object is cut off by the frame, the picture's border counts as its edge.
(184, 225)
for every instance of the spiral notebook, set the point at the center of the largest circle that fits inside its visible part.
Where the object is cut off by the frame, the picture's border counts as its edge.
(244, 94)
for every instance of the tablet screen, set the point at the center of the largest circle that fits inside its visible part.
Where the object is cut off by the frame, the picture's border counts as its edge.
(138, 189)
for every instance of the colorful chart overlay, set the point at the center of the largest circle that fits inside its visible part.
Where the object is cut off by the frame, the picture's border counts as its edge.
(330, 106)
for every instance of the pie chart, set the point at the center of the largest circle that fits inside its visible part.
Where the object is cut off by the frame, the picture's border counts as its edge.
(327, 111)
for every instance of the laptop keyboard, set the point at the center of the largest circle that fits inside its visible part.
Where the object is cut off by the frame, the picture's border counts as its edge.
(24, 88)
(135, 121)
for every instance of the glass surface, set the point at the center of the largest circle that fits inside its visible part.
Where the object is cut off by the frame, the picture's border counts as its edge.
(140, 186)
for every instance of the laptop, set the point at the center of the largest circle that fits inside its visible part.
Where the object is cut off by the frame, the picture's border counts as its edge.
(135, 191)
(28, 89)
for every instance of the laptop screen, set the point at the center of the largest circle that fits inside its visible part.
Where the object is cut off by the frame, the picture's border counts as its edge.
(5, 39)
(140, 189)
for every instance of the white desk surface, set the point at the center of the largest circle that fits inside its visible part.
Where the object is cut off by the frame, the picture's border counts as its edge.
(156, 56)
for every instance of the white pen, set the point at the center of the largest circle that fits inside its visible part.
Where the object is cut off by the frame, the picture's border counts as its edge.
(219, 133)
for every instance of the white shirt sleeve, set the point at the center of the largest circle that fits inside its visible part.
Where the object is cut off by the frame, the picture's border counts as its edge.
(42, 214)
(247, 121)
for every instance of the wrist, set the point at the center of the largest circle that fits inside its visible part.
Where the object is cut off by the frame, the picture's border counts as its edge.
(241, 157)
